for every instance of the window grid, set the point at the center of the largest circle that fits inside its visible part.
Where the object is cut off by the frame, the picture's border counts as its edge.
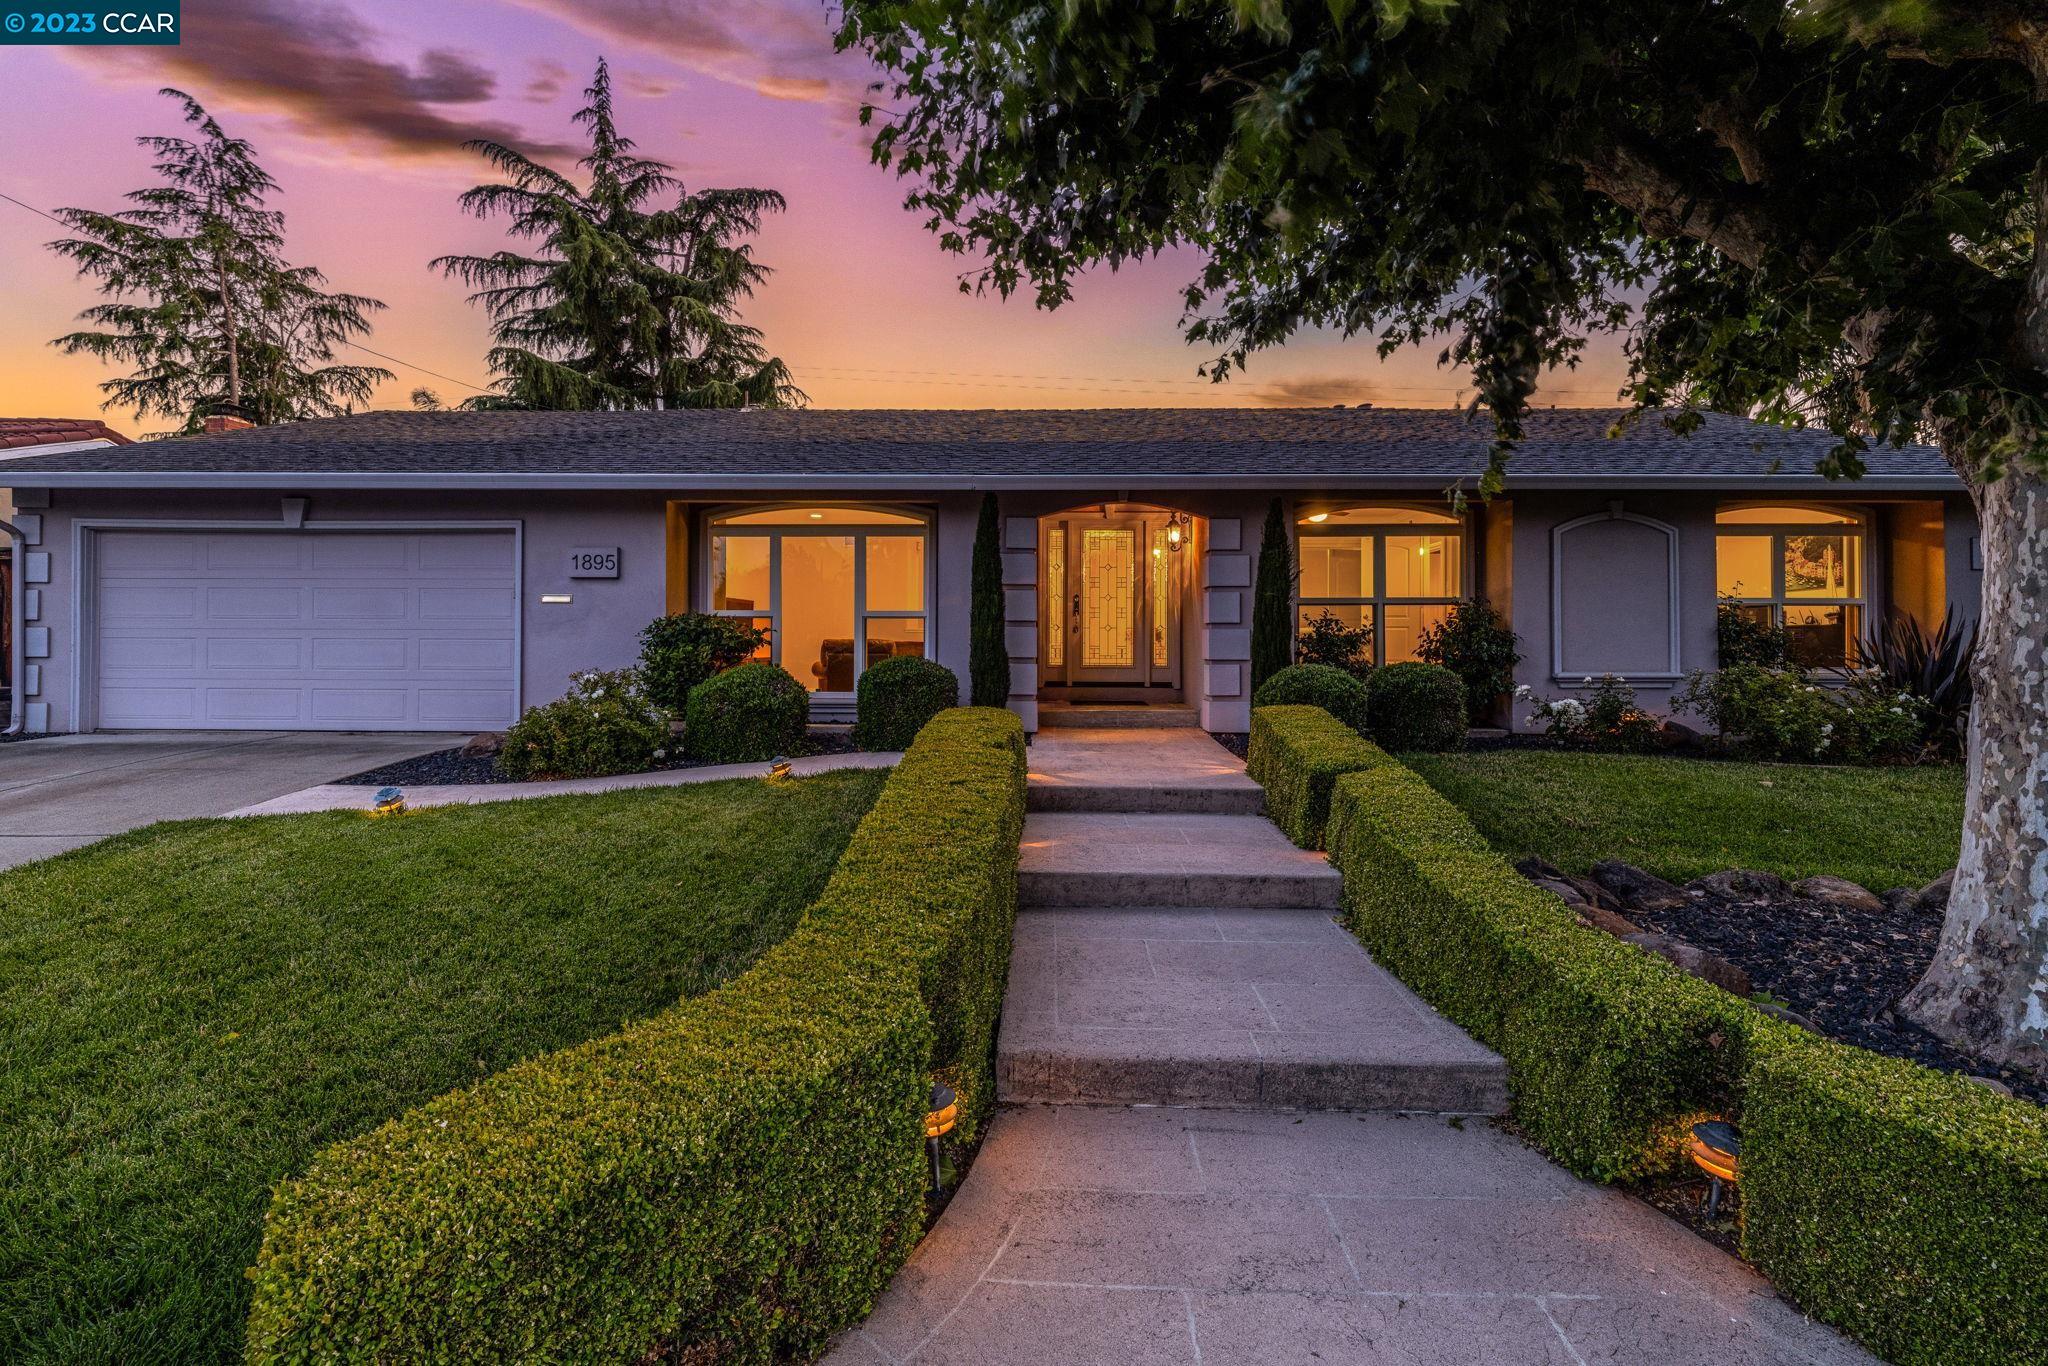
(1772, 607)
(1375, 604)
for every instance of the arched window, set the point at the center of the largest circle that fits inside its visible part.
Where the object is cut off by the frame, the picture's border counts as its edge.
(1396, 569)
(837, 587)
(1800, 567)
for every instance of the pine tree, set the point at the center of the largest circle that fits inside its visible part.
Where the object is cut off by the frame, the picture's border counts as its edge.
(988, 650)
(200, 299)
(1273, 600)
(620, 305)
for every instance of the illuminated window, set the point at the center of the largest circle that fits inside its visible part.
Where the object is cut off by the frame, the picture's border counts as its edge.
(837, 587)
(1398, 570)
(1799, 567)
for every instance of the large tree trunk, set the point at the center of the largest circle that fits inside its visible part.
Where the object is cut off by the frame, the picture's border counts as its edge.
(1987, 989)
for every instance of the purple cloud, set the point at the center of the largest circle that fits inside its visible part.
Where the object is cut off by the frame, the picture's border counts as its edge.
(318, 68)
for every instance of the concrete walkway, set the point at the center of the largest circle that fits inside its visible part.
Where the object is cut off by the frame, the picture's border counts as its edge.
(63, 791)
(1213, 1145)
(355, 797)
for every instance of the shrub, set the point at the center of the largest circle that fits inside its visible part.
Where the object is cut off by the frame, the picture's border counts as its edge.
(744, 715)
(1932, 667)
(1327, 640)
(1476, 645)
(1416, 706)
(1607, 718)
(736, 1178)
(1903, 1205)
(988, 645)
(1297, 754)
(1272, 599)
(896, 696)
(607, 724)
(1744, 636)
(679, 652)
(1783, 714)
(1316, 685)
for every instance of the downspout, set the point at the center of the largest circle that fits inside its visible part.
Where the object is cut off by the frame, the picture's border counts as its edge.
(17, 655)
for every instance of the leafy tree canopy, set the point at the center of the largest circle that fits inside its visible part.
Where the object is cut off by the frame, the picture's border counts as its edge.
(1823, 208)
(200, 300)
(620, 305)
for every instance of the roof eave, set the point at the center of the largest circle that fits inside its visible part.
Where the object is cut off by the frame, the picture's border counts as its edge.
(683, 482)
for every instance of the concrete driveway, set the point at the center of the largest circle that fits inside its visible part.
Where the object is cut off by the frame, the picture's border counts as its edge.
(62, 791)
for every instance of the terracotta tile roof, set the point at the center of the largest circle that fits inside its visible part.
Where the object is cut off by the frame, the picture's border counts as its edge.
(48, 431)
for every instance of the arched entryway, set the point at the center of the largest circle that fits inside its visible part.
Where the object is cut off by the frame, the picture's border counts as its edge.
(1114, 582)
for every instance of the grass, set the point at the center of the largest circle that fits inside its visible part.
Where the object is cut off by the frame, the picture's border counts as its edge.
(189, 1012)
(1681, 818)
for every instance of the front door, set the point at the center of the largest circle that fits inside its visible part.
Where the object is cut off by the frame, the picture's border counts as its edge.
(1111, 589)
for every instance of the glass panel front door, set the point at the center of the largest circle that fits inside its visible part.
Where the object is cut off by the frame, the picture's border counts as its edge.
(1109, 598)
(1111, 618)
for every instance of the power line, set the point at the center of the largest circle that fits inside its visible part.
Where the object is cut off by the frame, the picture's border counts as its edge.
(34, 210)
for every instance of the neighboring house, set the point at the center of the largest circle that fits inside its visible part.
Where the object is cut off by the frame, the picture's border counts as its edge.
(20, 437)
(443, 570)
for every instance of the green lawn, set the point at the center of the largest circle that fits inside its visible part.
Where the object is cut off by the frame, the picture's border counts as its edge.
(1680, 818)
(189, 1012)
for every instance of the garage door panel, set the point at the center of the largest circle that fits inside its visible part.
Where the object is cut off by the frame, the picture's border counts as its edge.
(248, 602)
(361, 604)
(306, 629)
(142, 602)
(460, 706)
(158, 706)
(459, 653)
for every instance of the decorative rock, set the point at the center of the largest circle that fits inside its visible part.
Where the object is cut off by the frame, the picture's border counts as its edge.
(1934, 896)
(1837, 891)
(1637, 889)
(1565, 891)
(1741, 882)
(1991, 1084)
(1621, 927)
(1787, 1014)
(1576, 892)
(1690, 958)
(1899, 899)
(484, 744)
(1678, 735)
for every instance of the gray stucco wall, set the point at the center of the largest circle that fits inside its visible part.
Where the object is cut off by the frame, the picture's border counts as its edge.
(1611, 586)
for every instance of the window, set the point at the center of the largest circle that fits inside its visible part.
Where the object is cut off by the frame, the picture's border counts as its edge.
(837, 587)
(1398, 570)
(1799, 567)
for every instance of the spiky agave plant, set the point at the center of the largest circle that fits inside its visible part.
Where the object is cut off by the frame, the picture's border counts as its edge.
(1932, 665)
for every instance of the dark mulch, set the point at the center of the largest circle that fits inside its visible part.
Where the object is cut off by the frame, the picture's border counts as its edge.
(19, 736)
(1238, 742)
(454, 768)
(1841, 969)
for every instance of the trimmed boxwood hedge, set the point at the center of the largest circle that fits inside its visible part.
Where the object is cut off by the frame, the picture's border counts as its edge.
(1905, 1206)
(1316, 685)
(1297, 755)
(746, 715)
(895, 697)
(738, 1176)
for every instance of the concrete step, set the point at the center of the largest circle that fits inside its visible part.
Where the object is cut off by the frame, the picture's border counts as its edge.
(1140, 771)
(1147, 798)
(1112, 716)
(1224, 1007)
(1123, 859)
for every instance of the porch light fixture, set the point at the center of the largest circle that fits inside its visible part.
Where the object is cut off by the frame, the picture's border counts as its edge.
(778, 769)
(1176, 530)
(389, 801)
(1319, 516)
(938, 1122)
(1717, 1150)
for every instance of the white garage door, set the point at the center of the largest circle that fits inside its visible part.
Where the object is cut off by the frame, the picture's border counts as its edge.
(306, 630)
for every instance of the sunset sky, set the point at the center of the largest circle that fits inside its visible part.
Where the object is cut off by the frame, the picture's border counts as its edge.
(358, 109)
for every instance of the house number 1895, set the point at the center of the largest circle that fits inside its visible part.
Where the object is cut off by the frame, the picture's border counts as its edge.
(594, 562)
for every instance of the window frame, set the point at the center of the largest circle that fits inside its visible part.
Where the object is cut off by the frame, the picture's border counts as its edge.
(715, 523)
(1449, 525)
(1857, 524)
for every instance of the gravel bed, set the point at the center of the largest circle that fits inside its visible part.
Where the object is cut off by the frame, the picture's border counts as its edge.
(453, 768)
(1238, 742)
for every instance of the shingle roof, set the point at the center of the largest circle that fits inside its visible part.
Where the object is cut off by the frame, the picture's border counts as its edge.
(945, 448)
(16, 432)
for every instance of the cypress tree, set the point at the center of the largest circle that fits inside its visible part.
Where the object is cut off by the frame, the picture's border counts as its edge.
(1273, 600)
(988, 656)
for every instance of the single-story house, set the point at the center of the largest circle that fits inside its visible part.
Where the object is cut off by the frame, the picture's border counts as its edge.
(20, 438)
(441, 571)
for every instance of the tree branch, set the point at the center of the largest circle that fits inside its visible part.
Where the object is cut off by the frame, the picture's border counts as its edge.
(1739, 227)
